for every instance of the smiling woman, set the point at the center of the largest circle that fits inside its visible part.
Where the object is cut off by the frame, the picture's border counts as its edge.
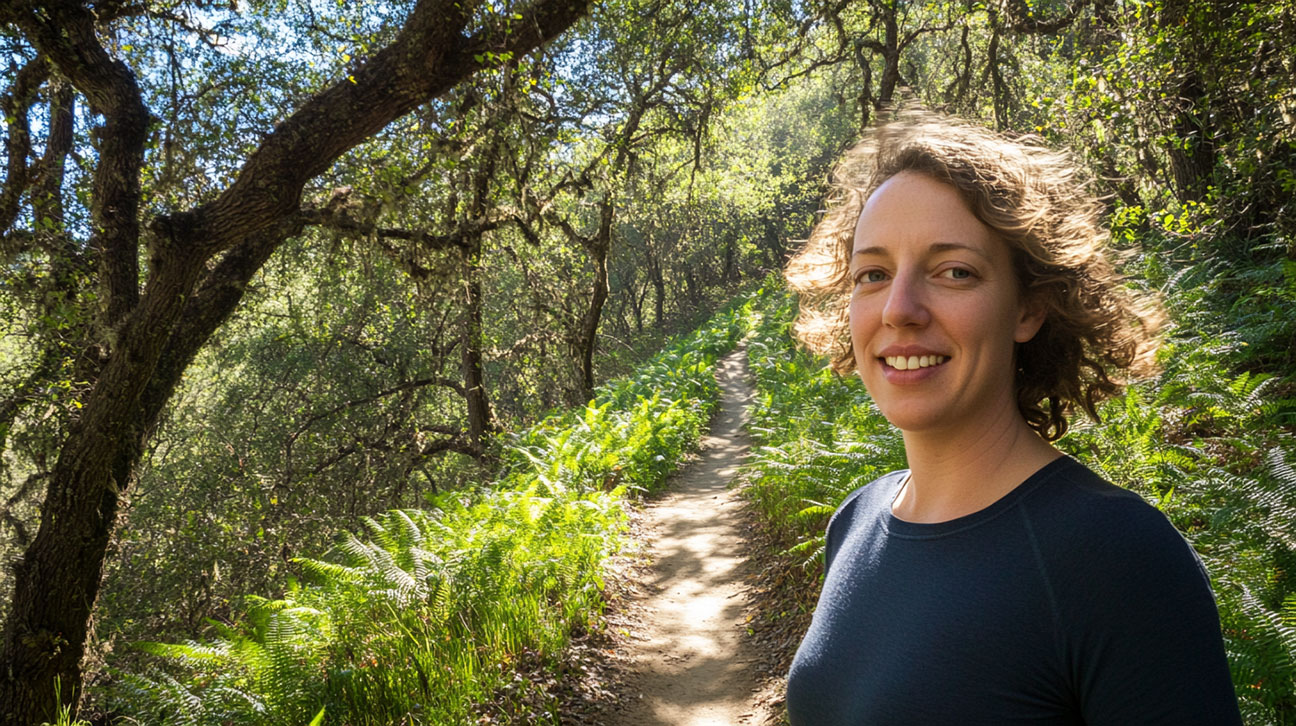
(934, 310)
(962, 274)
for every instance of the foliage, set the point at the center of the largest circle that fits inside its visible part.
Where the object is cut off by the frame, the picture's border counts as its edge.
(444, 277)
(321, 403)
(63, 712)
(428, 613)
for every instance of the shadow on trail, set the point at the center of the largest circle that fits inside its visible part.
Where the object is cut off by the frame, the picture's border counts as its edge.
(694, 669)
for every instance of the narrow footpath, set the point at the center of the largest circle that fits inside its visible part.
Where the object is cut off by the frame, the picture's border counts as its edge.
(692, 665)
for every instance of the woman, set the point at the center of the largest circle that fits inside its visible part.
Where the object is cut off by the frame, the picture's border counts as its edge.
(996, 581)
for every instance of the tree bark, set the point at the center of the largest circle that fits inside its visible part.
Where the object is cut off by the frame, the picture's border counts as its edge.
(16, 105)
(659, 292)
(598, 248)
(480, 419)
(890, 55)
(151, 337)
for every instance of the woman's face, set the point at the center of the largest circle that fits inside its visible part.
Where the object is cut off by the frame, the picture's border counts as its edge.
(935, 310)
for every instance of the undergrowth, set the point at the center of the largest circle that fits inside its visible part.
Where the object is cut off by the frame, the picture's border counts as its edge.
(435, 616)
(1211, 449)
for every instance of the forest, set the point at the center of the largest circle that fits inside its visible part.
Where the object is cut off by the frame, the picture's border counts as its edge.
(338, 339)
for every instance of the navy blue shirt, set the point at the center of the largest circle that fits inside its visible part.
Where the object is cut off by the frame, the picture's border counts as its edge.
(1068, 601)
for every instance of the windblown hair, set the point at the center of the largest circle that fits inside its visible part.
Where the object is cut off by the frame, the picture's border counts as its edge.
(1097, 332)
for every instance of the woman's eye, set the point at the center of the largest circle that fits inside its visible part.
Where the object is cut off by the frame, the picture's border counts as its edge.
(869, 276)
(957, 273)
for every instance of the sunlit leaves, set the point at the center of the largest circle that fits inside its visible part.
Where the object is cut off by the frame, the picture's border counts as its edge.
(427, 612)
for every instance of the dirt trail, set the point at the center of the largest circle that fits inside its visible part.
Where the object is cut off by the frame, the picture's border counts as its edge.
(693, 662)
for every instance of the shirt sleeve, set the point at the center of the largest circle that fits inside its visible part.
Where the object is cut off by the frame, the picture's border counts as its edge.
(1139, 628)
(840, 522)
(837, 526)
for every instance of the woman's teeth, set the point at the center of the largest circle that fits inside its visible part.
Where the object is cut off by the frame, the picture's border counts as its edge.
(902, 363)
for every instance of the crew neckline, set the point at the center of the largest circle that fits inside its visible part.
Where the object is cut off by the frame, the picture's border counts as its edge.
(929, 530)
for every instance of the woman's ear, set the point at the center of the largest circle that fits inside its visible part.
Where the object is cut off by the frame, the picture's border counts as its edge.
(1030, 319)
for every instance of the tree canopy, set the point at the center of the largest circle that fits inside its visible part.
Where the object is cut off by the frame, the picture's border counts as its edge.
(272, 266)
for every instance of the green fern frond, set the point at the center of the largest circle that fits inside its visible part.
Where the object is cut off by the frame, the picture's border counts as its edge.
(328, 573)
(816, 511)
(189, 651)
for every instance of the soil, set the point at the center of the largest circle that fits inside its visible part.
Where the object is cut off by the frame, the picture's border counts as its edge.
(703, 618)
(692, 662)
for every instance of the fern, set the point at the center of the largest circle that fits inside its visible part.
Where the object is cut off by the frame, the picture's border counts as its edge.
(420, 614)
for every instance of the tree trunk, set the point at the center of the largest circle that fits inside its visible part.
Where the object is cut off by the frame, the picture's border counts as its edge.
(999, 91)
(890, 57)
(597, 247)
(659, 295)
(864, 100)
(636, 299)
(57, 580)
(480, 419)
(589, 329)
(155, 335)
(1192, 144)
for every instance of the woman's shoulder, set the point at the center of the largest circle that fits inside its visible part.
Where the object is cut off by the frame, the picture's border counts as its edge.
(1086, 527)
(1077, 499)
(1135, 618)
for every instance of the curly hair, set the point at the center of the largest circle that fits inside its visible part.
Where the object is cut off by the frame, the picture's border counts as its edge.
(1097, 331)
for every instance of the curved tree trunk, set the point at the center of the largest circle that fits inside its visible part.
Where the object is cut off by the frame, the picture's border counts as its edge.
(149, 339)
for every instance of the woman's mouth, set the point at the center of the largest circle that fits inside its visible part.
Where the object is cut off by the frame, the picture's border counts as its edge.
(908, 363)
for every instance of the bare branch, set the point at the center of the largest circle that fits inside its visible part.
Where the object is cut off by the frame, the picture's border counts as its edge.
(456, 386)
(341, 222)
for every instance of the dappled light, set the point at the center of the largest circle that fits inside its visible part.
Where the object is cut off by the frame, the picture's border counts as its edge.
(341, 344)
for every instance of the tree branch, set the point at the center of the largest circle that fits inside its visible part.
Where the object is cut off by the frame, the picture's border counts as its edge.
(427, 58)
(15, 105)
(47, 174)
(405, 386)
(1023, 22)
(343, 223)
(65, 33)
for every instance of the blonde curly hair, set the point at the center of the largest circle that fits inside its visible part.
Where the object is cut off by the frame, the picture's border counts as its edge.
(1097, 332)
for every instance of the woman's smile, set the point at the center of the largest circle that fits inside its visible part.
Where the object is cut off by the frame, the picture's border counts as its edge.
(908, 363)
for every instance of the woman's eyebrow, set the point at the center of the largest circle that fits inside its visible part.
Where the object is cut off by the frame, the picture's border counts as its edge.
(875, 250)
(955, 246)
(934, 248)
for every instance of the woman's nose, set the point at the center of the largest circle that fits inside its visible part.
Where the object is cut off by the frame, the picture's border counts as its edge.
(904, 304)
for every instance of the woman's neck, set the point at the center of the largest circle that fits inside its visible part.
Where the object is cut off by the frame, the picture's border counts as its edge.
(953, 474)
